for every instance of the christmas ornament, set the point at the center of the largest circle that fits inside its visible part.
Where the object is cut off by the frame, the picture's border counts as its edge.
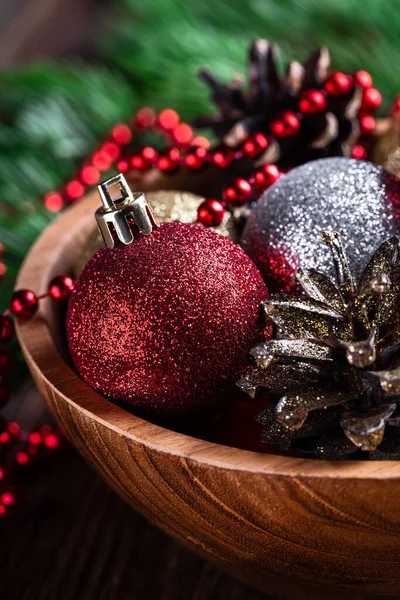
(167, 205)
(356, 198)
(163, 322)
(333, 374)
(305, 114)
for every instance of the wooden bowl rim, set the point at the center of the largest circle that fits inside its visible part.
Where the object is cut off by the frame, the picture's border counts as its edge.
(38, 346)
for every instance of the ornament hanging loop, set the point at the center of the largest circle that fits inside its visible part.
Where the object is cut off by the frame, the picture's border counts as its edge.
(124, 215)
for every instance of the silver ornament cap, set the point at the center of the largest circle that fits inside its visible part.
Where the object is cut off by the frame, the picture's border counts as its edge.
(124, 214)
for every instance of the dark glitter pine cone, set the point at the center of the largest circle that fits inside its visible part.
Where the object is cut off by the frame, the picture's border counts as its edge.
(332, 374)
(331, 128)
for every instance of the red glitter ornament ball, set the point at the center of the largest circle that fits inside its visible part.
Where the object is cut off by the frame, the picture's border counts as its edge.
(166, 323)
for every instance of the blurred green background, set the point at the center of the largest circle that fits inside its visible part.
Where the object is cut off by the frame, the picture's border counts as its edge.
(148, 53)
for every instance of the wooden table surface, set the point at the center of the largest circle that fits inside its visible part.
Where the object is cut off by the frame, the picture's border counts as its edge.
(71, 538)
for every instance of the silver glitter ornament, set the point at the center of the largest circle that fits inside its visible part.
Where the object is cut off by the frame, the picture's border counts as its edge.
(356, 198)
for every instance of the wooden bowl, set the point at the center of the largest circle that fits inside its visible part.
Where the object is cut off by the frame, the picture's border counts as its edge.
(292, 527)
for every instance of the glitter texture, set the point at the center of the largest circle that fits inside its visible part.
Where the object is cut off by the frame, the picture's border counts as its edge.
(333, 374)
(167, 205)
(356, 198)
(166, 324)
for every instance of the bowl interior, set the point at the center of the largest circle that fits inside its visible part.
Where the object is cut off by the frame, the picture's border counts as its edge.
(44, 345)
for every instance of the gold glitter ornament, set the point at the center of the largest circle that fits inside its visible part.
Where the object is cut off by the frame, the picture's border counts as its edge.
(167, 205)
(333, 374)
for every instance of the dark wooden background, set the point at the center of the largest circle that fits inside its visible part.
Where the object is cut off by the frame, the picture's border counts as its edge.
(70, 537)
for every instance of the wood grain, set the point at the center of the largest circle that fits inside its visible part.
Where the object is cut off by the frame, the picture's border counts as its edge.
(294, 528)
(72, 538)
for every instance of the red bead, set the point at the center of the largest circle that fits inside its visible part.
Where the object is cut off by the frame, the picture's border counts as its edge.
(286, 124)
(145, 117)
(1, 474)
(74, 189)
(359, 152)
(51, 441)
(122, 134)
(255, 144)
(5, 437)
(266, 176)
(3, 269)
(53, 201)
(201, 152)
(3, 510)
(14, 428)
(5, 362)
(312, 101)
(123, 166)
(22, 458)
(60, 287)
(6, 328)
(238, 192)
(371, 100)
(367, 124)
(90, 175)
(7, 498)
(139, 163)
(272, 172)
(174, 154)
(23, 304)
(193, 161)
(337, 84)
(101, 160)
(4, 395)
(35, 438)
(168, 119)
(165, 163)
(363, 79)
(149, 154)
(223, 158)
(110, 151)
(182, 133)
(210, 213)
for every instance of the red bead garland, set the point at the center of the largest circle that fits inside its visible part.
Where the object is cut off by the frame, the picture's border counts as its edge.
(168, 123)
(223, 158)
(363, 79)
(266, 176)
(6, 328)
(238, 192)
(312, 101)
(60, 287)
(122, 134)
(337, 84)
(255, 144)
(367, 124)
(210, 213)
(23, 304)
(359, 152)
(371, 100)
(168, 119)
(285, 125)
